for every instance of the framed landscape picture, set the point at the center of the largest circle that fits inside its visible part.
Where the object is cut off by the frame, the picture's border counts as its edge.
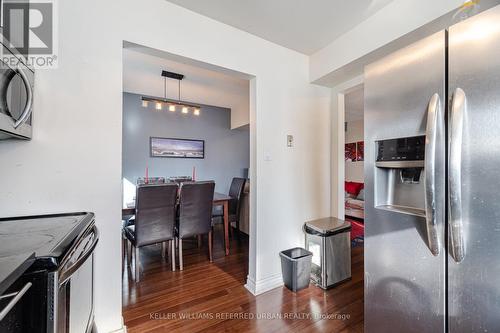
(177, 148)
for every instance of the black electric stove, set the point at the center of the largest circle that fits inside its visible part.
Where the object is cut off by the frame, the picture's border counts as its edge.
(63, 246)
(48, 236)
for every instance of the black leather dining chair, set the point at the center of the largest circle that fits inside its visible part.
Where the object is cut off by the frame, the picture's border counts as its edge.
(236, 193)
(195, 213)
(155, 215)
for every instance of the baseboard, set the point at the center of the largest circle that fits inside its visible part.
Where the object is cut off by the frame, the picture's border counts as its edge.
(123, 329)
(250, 285)
(271, 282)
(261, 286)
(120, 330)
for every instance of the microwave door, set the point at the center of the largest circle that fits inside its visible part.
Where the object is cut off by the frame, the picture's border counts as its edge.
(15, 97)
(8, 92)
(16, 101)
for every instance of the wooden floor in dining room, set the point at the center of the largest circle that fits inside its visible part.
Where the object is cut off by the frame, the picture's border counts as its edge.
(204, 296)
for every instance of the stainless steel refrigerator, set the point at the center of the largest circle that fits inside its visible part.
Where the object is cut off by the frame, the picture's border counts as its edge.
(432, 179)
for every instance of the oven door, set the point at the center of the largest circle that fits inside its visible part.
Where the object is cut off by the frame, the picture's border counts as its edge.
(75, 293)
(16, 96)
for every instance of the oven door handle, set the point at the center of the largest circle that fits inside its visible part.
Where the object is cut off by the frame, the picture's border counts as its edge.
(66, 273)
(29, 98)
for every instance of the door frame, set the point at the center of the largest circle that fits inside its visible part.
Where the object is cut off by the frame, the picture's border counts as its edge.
(337, 163)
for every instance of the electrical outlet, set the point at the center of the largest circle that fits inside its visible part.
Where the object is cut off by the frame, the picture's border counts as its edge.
(289, 140)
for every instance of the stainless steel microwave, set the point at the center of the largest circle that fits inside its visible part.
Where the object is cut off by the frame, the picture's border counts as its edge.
(16, 95)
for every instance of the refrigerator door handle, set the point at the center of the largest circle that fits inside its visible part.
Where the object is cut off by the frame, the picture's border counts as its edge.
(435, 126)
(458, 110)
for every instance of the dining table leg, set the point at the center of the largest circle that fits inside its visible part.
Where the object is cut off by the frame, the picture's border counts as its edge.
(226, 226)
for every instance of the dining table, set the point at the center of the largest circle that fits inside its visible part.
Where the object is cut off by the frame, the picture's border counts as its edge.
(220, 199)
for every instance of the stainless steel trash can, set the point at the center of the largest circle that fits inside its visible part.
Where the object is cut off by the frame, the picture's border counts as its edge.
(329, 241)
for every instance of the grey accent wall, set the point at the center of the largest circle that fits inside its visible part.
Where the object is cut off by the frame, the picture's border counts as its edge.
(227, 152)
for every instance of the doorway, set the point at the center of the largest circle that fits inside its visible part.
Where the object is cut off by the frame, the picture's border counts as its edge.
(222, 123)
(354, 162)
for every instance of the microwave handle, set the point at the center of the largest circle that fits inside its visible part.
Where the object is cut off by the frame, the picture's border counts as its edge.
(29, 98)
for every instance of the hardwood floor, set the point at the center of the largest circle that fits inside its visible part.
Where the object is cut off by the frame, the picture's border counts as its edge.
(210, 297)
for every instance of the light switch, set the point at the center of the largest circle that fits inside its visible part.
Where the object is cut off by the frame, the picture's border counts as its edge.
(289, 140)
(267, 157)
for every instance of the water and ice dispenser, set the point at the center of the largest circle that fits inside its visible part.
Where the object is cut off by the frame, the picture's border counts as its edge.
(399, 176)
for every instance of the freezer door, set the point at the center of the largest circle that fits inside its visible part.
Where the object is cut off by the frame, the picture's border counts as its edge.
(404, 267)
(474, 182)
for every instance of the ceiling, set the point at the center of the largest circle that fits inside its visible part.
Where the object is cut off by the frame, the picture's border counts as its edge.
(354, 105)
(142, 67)
(302, 25)
(203, 83)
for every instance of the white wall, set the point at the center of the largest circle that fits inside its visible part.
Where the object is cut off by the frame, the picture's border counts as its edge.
(73, 162)
(141, 75)
(355, 133)
(227, 152)
(330, 64)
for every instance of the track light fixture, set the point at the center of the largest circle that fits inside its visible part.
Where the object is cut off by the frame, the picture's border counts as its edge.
(171, 104)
